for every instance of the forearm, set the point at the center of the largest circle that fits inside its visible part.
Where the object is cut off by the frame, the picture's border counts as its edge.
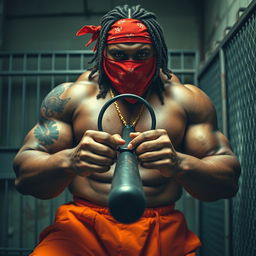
(41, 174)
(210, 178)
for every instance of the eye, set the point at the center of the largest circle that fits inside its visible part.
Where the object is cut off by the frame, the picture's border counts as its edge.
(142, 55)
(118, 55)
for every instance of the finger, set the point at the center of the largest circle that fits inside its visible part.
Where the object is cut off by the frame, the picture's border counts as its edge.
(86, 169)
(148, 146)
(89, 144)
(103, 138)
(97, 159)
(163, 163)
(118, 140)
(144, 136)
(134, 134)
(162, 142)
(156, 155)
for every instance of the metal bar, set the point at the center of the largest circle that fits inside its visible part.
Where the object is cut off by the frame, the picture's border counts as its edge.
(196, 68)
(21, 233)
(81, 61)
(6, 220)
(170, 60)
(197, 216)
(197, 202)
(74, 52)
(53, 69)
(37, 95)
(181, 77)
(227, 202)
(24, 62)
(39, 61)
(15, 149)
(42, 72)
(182, 60)
(10, 66)
(9, 95)
(67, 67)
(36, 220)
(6, 249)
(8, 121)
(51, 211)
(23, 104)
(71, 72)
(38, 82)
(54, 15)
(2, 19)
(87, 52)
(223, 92)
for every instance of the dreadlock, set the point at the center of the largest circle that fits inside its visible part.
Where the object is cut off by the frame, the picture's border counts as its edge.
(156, 32)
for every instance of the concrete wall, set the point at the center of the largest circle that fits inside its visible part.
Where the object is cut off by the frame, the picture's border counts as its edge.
(219, 16)
(51, 25)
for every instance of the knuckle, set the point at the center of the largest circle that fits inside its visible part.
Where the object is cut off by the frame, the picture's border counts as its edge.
(168, 161)
(144, 164)
(111, 161)
(89, 133)
(162, 131)
(165, 141)
(105, 136)
(167, 151)
(107, 161)
(141, 158)
(103, 169)
(110, 152)
(85, 144)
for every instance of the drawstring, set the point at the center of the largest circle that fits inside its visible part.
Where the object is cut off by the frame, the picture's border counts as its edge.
(157, 230)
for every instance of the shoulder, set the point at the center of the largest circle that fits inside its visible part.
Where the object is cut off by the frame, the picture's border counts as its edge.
(62, 100)
(194, 101)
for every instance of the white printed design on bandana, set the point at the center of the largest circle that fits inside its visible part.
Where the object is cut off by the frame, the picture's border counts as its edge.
(130, 35)
(121, 21)
(140, 25)
(118, 29)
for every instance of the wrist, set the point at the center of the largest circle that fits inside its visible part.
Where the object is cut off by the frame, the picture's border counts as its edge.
(63, 159)
(184, 164)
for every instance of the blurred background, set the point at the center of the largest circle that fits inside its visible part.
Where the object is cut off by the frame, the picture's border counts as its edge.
(212, 43)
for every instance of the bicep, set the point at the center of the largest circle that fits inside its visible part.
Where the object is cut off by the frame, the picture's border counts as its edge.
(49, 135)
(204, 140)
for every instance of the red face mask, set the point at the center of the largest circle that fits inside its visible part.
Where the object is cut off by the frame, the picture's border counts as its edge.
(129, 76)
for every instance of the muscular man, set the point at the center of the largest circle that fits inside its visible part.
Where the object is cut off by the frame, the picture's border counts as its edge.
(186, 150)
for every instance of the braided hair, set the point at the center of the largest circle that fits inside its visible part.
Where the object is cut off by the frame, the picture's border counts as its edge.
(154, 29)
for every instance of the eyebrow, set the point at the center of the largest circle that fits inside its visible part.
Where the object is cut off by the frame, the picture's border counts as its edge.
(120, 50)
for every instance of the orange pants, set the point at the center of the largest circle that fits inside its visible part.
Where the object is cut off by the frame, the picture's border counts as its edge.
(85, 229)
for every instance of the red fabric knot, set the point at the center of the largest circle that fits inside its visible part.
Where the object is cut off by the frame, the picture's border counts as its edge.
(94, 30)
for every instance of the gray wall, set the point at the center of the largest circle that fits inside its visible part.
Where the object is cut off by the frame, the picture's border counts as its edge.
(51, 25)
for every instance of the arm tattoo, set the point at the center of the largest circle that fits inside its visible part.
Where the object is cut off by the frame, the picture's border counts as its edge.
(52, 103)
(46, 132)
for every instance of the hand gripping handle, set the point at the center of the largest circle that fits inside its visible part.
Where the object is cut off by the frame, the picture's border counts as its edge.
(126, 199)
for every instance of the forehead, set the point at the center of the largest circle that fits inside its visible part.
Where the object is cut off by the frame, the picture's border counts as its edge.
(130, 46)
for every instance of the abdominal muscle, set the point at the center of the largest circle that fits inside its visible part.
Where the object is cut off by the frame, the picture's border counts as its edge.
(159, 191)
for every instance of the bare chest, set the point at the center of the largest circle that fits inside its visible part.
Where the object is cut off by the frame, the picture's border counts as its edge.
(169, 116)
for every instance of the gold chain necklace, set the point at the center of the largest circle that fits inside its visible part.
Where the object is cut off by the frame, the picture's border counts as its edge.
(120, 114)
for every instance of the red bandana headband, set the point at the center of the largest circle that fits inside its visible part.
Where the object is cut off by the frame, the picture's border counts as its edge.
(122, 31)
